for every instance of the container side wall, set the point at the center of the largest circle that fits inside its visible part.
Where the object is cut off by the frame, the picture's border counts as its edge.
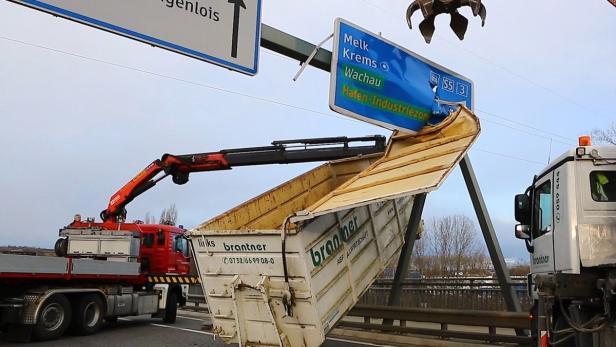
(268, 211)
(331, 261)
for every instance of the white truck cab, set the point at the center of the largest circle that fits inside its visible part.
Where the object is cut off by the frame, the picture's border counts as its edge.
(568, 220)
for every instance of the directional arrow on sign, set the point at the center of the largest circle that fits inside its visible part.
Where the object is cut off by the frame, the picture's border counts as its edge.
(236, 24)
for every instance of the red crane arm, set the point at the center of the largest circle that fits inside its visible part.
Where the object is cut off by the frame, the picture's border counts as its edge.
(178, 167)
(280, 152)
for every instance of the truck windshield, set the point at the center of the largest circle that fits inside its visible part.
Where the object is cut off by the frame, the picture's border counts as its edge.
(181, 245)
(603, 186)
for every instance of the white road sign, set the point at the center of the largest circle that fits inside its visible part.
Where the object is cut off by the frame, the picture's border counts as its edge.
(223, 32)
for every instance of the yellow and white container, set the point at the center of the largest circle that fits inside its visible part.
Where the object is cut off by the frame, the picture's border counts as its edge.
(283, 268)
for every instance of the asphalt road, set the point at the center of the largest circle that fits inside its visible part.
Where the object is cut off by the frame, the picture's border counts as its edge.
(145, 331)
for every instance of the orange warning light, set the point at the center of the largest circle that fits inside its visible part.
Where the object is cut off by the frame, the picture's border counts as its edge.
(585, 140)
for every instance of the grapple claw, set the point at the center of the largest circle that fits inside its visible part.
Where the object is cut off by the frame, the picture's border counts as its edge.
(482, 14)
(458, 24)
(475, 5)
(432, 8)
(427, 28)
(409, 13)
(424, 5)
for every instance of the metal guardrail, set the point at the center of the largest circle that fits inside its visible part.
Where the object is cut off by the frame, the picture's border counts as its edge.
(449, 293)
(449, 321)
(490, 319)
(452, 281)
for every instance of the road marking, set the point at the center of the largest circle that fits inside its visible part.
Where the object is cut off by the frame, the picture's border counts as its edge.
(214, 335)
(211, 334)
(183, 317)
(182, 329)
(191, 318)
(357, 342)
(172, 327)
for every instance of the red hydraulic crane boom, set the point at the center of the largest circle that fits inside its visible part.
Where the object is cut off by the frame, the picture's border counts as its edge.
(280, 152)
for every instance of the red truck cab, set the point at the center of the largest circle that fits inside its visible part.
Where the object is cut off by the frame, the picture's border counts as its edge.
(162, 248)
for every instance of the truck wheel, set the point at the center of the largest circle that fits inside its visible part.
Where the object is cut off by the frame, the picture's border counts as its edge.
(88, 313)
(171, 310)
(61, 247)
(53, 319)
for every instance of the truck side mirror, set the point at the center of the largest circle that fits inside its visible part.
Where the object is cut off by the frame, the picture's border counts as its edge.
(522, 209)
(522, 232)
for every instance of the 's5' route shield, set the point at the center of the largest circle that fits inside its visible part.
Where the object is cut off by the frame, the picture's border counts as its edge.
(379, 82)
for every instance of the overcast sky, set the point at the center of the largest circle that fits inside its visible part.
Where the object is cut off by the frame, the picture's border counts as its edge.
(83, 110)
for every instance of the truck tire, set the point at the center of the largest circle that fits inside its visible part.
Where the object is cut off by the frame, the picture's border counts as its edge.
(171, 309)
(88, 313)
(61, 247)
(53, 319)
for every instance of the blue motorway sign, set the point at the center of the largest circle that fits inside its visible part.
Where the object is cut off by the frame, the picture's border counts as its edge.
(382, 83)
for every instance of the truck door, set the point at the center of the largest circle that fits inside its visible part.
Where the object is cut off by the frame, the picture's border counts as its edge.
(543, 226)
(181, 254)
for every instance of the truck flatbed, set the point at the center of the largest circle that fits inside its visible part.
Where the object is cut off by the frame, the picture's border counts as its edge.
(43, 267)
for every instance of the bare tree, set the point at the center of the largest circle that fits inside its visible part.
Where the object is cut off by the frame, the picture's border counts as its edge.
(605, 135)
(519, 270)
(449, 247)
(169, 216)
(464, 243)
(419, 258)
(478, 263)
(441, 237)
(149, 219)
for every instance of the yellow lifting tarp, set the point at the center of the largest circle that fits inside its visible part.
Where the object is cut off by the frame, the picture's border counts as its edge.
(412, 164)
